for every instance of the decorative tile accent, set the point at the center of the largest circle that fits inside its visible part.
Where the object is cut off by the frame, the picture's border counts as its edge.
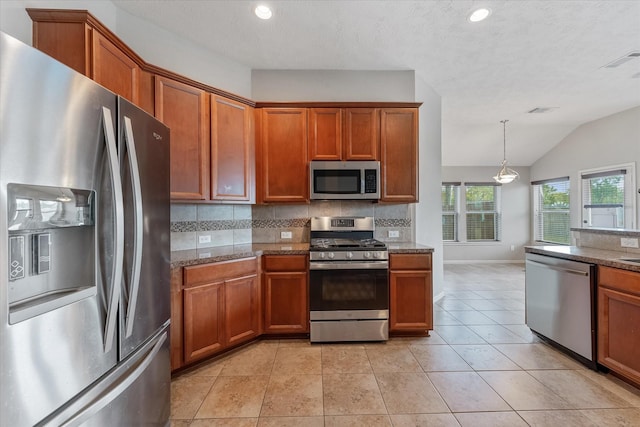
(184, 226)
(393, 222)
(281, 223)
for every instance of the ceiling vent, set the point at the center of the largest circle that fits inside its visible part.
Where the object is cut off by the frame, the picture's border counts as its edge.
(618, 62)
(541, 110)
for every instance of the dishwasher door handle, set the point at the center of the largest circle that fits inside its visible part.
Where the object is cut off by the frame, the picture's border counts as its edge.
(561, 269)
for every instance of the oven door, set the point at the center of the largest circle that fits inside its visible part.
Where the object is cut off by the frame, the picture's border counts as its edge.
(349, 290)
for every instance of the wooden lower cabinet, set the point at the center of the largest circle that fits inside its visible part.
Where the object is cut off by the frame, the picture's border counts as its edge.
(286, 297)
(241, 309)
(203, 316)
(619, 322)
(410, 293)
(220, 308)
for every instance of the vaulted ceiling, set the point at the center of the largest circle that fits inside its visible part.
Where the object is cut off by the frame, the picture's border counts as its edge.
(526, 55)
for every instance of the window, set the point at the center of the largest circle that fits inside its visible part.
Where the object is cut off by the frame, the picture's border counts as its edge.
(450, 196)
(551, 216)
(483, 221)
(607, 198)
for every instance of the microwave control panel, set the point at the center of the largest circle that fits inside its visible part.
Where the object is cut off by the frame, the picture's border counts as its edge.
(370, 181)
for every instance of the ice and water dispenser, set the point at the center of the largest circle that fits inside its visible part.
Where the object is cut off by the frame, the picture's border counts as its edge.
(50, 231)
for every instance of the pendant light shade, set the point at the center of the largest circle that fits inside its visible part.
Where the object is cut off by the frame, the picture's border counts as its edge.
(505, 174)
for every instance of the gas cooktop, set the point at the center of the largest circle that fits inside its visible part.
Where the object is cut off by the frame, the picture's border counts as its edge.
(346, 244)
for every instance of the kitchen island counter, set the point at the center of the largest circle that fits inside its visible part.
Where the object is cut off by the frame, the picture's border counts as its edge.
(602, 257)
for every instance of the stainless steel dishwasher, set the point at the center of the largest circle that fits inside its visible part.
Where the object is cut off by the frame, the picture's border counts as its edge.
(560, 304)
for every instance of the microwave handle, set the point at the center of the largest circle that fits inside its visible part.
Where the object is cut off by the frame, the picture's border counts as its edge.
(362, 182)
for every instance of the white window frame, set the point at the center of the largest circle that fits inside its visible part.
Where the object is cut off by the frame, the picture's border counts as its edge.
(497, 212)
(539, 211)
(455, 213)
(629, 194)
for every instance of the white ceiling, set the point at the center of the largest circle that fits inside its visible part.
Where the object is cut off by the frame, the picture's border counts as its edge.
(527, 54)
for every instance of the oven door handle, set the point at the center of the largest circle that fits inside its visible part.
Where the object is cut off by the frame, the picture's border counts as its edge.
(339, 265)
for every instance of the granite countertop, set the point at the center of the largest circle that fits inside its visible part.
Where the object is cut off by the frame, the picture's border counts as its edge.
(591, 255)
(226, 253)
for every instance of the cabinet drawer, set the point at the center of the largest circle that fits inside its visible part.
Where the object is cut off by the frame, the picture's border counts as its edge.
(622, 280)
(410, 261)
(218, 271)
(285, 263)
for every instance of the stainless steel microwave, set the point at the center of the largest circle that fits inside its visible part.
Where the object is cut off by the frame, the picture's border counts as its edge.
(350, 180)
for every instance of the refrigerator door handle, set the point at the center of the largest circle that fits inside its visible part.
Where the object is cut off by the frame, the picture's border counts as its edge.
(116, 268)
(138, 226)
(116, 389)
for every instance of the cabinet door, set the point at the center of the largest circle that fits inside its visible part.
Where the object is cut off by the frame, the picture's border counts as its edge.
(203, 317)
(286, 302)
(113, 69)
(618, 320)
(325, 134)
(411, 300)
(68, 42)
(185, 110)
(241, 309)
(232, 151)
(399, 154)
(284, 174)
(176, 318)
(361, 134)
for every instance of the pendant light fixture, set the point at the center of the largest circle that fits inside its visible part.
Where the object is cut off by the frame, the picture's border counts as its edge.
(506, 174)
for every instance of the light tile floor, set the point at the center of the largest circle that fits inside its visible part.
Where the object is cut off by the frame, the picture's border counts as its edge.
(480, 367)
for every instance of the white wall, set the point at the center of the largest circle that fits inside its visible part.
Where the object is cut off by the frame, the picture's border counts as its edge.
(333, 85)
(611, 140)
(516, 217)
(154, 44)
(428, 210)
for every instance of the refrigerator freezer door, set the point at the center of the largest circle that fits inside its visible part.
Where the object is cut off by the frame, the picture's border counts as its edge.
(52, 133)
(137, 393)
(144, 161)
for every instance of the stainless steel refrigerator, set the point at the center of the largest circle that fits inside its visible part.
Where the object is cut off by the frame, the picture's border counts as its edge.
(84, 250)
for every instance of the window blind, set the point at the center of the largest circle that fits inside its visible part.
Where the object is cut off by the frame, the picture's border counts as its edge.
(450, 195)
(551, 210)
(482, 217)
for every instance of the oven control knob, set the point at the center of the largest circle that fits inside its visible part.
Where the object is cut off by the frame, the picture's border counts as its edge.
(322, 254)
(376, 254)
(349, 255)
(367, 254)
(331, 255)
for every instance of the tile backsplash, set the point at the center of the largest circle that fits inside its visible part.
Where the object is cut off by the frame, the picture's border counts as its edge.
(201, 226)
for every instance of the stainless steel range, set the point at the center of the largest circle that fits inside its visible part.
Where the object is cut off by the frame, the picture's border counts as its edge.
(348, 281)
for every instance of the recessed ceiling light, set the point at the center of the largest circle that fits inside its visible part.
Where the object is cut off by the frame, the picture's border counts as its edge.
(479, 14)
(263, 12)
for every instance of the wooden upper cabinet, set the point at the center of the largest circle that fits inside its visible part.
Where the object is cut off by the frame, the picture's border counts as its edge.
(232, 151)
(185, 110)
(281, 146)
(361, 134)
(78, 40)
(399, 154)
(325, 133)
(113, 69)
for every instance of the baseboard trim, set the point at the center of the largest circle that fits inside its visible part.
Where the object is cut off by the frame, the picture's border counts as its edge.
(484, 261)
(438, 297)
